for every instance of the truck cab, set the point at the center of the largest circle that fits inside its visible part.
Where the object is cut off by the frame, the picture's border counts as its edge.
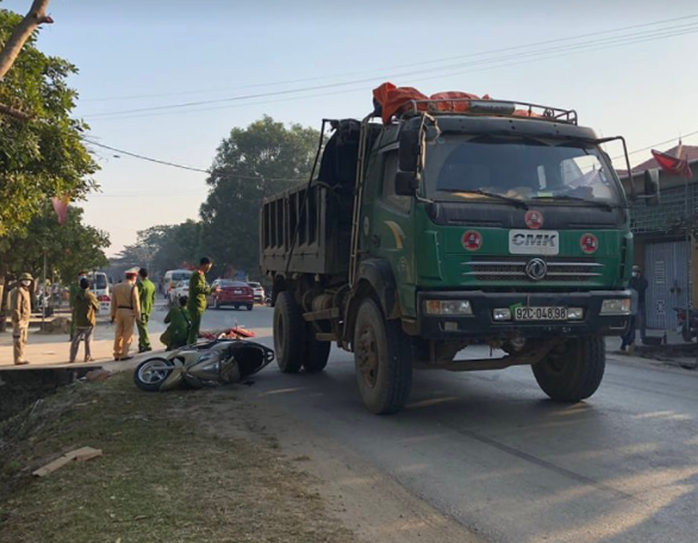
(498, 223)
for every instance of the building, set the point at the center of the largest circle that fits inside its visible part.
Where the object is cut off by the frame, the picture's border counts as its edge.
(663, 248)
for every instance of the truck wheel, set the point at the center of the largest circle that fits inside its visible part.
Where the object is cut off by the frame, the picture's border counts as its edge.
(316, 352)
(289, 333)
(573, 371)
(382, 359)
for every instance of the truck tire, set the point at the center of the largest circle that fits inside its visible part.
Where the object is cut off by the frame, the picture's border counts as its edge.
(573, 371)
(316, 352)
(289, 333)
(382, 358)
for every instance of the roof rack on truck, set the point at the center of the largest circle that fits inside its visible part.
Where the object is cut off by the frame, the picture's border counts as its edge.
(488, 107)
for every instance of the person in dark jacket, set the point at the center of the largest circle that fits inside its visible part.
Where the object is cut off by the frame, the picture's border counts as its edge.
(179, 322)
(85, 305)
(639, 284)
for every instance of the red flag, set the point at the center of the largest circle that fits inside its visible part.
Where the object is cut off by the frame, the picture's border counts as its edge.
(60, 206)
(673, 165)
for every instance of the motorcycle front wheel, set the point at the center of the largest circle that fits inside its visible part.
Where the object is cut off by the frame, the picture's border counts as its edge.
(152, 373)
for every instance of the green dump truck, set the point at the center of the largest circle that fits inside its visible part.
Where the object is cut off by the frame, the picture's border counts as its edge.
(503, 223)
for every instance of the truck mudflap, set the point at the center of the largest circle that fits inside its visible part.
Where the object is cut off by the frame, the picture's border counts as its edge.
(481, 323)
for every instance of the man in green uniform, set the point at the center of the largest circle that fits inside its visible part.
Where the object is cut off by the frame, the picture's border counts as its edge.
(198, 290)
(146, 290)
(179, 323)
(72, 293)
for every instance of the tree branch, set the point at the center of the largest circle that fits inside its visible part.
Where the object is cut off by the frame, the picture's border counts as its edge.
(36, 16)
(14, 113)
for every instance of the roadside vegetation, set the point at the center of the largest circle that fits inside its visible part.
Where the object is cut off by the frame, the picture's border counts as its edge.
(163, 476)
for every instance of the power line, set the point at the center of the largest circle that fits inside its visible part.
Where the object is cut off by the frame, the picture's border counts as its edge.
(400, 66)
(189, 168)
(539, 54)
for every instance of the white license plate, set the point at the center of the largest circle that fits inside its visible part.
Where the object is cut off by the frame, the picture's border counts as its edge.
(534, 242)
(237, 291)
(540, 313)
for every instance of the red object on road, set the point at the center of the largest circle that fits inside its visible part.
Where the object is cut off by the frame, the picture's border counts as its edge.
(673, 165)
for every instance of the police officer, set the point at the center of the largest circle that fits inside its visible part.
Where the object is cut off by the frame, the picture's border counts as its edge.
(198, 290)
(125, 311)
(21, 312)
(146, 291)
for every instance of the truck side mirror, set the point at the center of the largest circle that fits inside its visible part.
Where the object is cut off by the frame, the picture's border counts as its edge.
(651, 178)
(406, 183)
(408, 152)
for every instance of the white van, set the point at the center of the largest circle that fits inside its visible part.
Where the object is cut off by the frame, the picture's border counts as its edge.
(99, 285)
(172, 278)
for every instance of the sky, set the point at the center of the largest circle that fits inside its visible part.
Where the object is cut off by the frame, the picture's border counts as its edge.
(640, 82)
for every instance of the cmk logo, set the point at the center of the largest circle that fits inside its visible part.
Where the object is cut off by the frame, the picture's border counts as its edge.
(535, 240)
(542, 242)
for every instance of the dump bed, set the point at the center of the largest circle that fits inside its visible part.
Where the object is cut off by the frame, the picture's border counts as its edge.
(321, 212)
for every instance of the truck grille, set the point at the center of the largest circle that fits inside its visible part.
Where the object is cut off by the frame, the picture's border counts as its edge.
(513, 269)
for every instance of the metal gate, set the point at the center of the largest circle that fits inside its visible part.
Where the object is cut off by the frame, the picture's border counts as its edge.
(667, 272)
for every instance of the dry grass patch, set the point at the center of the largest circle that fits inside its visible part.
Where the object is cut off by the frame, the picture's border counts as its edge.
(163, 477)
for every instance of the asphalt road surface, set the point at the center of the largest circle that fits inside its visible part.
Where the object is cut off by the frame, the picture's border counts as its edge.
(488, 451)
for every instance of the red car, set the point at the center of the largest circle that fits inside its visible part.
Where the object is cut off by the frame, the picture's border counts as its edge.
(235, 293)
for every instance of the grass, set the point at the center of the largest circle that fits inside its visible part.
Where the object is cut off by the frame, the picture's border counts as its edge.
(163, 476)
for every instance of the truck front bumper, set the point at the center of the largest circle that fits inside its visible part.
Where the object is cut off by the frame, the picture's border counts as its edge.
(482, 325)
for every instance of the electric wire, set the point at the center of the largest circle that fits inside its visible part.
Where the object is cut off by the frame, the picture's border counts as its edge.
(539, 54)
(400, 66)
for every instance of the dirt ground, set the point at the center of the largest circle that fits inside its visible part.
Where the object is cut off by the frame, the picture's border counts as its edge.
(166, 474)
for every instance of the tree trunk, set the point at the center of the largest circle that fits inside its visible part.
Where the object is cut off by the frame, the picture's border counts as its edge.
(36, 16)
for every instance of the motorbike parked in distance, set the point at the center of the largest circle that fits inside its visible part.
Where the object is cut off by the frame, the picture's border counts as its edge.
(687, 328)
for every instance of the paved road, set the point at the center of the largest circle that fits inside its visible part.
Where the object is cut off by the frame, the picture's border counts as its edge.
(488, 450)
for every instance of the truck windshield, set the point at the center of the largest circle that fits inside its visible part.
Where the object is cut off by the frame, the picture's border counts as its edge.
(460, 168)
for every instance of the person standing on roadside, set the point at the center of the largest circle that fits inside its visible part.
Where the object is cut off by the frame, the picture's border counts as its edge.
(21, 312)
(639, 284)
(125, 311)
(146, 291)
(198, 290)
(72, 293)
(86, 305)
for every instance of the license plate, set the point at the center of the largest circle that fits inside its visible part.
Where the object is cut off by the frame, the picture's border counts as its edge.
(540, 313)
(238, 292)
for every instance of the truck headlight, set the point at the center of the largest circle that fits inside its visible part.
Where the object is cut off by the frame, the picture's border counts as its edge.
(448, 307)
(620, 307)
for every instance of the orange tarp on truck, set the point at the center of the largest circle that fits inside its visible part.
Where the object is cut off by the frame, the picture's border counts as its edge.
(395, 100)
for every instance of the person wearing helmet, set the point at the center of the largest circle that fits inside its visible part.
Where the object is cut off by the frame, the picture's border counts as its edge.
(21, 311)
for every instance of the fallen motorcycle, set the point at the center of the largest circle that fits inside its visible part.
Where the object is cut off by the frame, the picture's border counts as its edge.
(218, 361)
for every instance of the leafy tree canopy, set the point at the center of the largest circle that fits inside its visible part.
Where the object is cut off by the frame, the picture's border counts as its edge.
(265, 158)
(69, 247)
(44, 156)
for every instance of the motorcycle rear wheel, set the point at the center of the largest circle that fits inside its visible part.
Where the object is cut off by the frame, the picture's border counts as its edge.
(152, 373)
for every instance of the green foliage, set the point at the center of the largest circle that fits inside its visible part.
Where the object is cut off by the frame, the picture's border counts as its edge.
(163, 247)
(260, 160)
(45, 156)
(69, 247)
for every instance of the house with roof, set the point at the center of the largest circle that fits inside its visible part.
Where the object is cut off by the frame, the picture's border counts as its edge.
(665, 248)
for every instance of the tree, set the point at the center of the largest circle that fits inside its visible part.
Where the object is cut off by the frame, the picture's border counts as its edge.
(162, 247)
(69, 247)
(43, 156)
(260, 160)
